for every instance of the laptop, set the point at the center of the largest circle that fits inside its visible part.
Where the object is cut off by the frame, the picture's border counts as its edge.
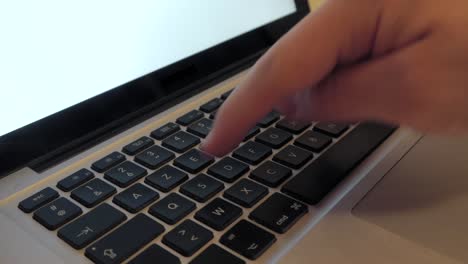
(105, 105)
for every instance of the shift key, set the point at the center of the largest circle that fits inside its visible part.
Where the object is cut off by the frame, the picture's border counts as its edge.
(91, 226)
(125, 240)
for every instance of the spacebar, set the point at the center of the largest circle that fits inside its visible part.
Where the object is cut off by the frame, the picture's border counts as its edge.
(321, 176)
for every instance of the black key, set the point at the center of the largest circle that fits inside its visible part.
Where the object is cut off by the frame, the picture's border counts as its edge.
(211, 105)
(225, 95)
(293, 157)
(125, 240)
(331, 129)
(138, 145)
(313, 141)
(187, 238)
(252, 152)
(166, 178)
(38, 199)
(278, 213)
(271, 174)
(214, 254)
(218, 214)
(165, 131)
(154, 157)
(135, 198)
(181, 142)
(172, 208)
(125, 174)
(108, 162)
(228, 169)
(274, 137)
(292, 126)
(321, 176)
(91, 226)
(193, 161)
(252, 132)
(213, 114)
(246, 193)
(155, 254)
(269, 119)
(201, 188)
(76, 179)
(190, 117)
(201, 127)
(93, 192)
(248, 239)
(57, 213)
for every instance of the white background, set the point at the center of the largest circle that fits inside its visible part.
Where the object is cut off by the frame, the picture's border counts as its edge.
(56, 53)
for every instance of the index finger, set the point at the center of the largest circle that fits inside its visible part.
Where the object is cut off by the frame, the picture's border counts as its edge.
(285, 69)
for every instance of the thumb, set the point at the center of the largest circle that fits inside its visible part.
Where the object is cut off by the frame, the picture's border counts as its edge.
(339, 32)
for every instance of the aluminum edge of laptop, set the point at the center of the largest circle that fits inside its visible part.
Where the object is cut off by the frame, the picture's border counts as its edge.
(26, 241)
(378, 163)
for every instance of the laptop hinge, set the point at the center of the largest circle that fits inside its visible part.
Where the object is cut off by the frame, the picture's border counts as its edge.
(67, 151)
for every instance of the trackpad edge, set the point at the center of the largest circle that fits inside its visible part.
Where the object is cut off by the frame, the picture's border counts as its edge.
(424, 198)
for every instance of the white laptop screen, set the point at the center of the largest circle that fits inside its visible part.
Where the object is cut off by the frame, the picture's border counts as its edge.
(55, 54)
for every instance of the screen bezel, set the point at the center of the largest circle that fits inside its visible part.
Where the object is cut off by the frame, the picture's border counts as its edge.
(61, 135)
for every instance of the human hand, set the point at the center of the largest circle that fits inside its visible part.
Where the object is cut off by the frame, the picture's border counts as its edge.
(397, 61)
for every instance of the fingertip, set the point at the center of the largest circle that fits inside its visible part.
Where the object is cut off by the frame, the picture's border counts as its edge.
(216, 145)
(208, 147)
(205, 146)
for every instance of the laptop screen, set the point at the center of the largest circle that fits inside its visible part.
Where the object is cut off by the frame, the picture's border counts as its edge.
(55, 54)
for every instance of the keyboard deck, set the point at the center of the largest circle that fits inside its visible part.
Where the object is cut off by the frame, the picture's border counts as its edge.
(174, 191)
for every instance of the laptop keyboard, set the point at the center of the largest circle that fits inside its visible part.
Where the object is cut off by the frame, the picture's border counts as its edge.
(162, 178)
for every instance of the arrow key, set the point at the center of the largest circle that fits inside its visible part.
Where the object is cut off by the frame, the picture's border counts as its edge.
(187, 238)
(135, 198)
